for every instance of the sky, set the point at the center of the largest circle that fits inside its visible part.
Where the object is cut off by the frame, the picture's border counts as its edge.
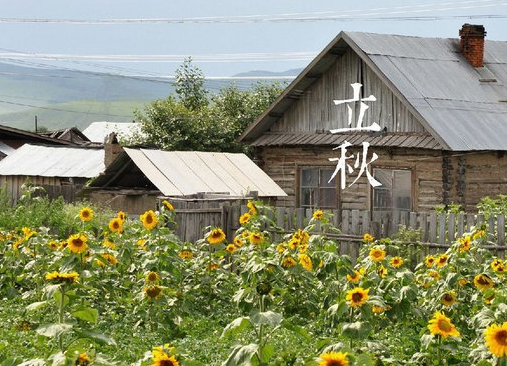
(224, 37)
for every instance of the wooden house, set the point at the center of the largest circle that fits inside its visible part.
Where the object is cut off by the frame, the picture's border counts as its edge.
(441, 107)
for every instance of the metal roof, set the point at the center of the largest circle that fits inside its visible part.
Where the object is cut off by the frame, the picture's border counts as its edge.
(400, 139)
(181, 173)
(98, 131)
(50, 161)
(463, 107)
(6, 149)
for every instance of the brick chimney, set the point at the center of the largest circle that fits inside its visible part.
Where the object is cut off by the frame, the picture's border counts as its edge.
(471, 43)
(111, 148)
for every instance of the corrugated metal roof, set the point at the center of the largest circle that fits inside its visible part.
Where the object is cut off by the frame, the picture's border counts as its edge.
(408, 139)
(451, 98)
(180, 173)
(49, 161)
(6, 149)
(98, 131)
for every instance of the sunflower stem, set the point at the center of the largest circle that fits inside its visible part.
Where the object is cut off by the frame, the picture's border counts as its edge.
(439, 343)
(261, 329)
(502, 361)
(61, 316)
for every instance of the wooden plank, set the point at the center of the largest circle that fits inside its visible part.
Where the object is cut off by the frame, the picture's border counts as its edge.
(451, 228)
(423, 224)
(491, 226)
(300, 218)
(461, 224)
(432, 234)
(441, 229)
(412, 221)
(365, 222)
(470, 221)
(501, 234)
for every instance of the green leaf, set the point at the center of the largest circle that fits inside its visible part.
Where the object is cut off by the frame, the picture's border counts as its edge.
(236, 326)
(83, 333)
(53, 330)
(266, 317)
(356, 330)
(58, 359)
(364, 359)
(36, 305)
(87, 314)
(337, 310)
(241, 355)
(267, 352)
(426, 340)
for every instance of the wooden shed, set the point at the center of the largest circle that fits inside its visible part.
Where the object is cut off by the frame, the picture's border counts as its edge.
(441, 107)
(137, 177)
(61, 171)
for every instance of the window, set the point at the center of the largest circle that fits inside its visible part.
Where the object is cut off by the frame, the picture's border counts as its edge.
(315, 191)
(395, 193)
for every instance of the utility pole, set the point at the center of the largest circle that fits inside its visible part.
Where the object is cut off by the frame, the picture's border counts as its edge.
(36, 124)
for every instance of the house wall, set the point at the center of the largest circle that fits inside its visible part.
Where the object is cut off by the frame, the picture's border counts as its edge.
(132, 203)
(315, 110)
(282, 164)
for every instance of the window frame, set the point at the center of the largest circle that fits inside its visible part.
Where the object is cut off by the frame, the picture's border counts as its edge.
(412, 187)
(298, 193)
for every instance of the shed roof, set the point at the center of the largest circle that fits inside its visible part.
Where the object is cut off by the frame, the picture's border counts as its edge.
(51, 161)
(183, 173)
(464, 108)
(98, 131)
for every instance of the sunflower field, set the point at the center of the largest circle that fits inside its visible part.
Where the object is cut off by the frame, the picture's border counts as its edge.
(82, 286)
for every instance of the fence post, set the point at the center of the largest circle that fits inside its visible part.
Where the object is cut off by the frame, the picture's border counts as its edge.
(500, 221)
(432, 235)
(451, 228)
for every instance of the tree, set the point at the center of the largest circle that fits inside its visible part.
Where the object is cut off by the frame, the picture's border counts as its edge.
(191, 119)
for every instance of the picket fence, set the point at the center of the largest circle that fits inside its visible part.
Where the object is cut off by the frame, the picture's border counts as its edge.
(436, 230)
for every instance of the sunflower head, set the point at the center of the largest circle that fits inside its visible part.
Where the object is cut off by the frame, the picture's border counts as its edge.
(483, 282)
(256, 238)
(77, 243)
(441, 325)
(429, 261)
(464, 243)
(238, 241)
(396, 262)
(116, 225)
(62, 277)
(368, 238)
(448, 298)
(83, 360)
(357, 296)
(243, 219)
(442, 260)
(318, 215)
(231, 248)
(306, 262)
(168, 205)
(215, 236)
(496, 339)
(333, 359)
(86, 214)
(288, 262)
(122, 216)
(355, 277)
(152, 276)
(153, 292)
(377, 254)
(149, 219)
(252, 208)
(497, 265)
(185, 254)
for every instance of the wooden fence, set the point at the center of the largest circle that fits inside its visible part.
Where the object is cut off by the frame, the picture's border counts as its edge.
(435, 230)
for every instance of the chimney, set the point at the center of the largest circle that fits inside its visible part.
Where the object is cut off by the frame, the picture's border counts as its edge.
(111, 148)
(471, 43)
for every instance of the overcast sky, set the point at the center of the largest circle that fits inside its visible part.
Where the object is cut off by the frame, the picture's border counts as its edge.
(224, 37)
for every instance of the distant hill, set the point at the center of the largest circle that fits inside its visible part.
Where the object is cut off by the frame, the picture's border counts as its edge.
(65, 98)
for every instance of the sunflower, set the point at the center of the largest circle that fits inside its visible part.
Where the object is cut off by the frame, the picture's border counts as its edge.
(354, 278)
(357, 296)
(153, 292)
(238, 242)
(306, 262)
(28, 232)
(289, 262)
(280, 248)
(479, 234)
(256, 238)
(448, 298)
(77, 243)
(243, 219)
(152, 276)
(333, 359)
(141, 244)
(396, 262)
(464, 244)
(382, 271)
(483, 282)
(149, 219)
(429, 261)
(163, 359)
(61, 277)
(377, 254)
(110, 258)
(302, 236)
(462, 281)
(252, 208)
(83, 360)
(293, 244)
(368, 238)
(86, 214)
(441, 325)
(186, 254)
(122, 216)
(496, 339)
(318, 215)
(215, 236)
(116, 225)
(497, 265)
(442, 260)
(378, 309)
(109, 244)
(231, 248)
(434, 274)
(168, 205)
(213, 266)
(53, 245)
